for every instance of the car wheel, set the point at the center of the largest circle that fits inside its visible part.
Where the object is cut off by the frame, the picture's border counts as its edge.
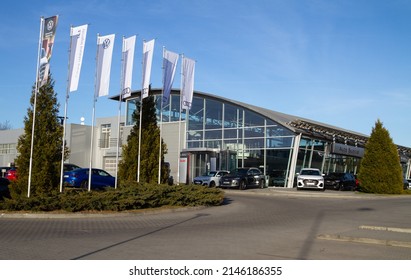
(212, 184)
(84, 184)
(341, 188)
(242, 185)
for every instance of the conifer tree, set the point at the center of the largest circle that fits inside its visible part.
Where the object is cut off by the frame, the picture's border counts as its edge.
(47, 143)
(150, 138)
(380, 170)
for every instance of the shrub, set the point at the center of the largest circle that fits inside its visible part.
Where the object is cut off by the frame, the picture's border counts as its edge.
(129, 196)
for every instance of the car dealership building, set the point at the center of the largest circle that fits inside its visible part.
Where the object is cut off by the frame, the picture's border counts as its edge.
(222, 134)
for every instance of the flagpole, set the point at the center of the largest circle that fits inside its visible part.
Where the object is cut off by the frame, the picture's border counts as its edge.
(179, 122)
(141, 119)
(119, 113)
(34, 105)
(65, 116)
(161, 123)
(93, 116)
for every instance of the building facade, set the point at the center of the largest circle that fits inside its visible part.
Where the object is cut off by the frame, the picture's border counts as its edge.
(223, 134)
(218, 134)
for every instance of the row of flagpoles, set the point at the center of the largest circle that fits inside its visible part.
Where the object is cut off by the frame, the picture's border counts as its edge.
(105, 46)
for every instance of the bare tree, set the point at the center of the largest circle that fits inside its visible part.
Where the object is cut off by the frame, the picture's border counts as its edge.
(5, 125)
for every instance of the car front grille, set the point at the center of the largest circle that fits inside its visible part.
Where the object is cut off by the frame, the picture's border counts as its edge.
(310, 182)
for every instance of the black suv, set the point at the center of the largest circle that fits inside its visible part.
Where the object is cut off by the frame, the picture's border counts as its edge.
(243, 178)
(340, 181)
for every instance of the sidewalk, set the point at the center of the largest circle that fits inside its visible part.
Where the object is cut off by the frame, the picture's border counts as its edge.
(293, 192)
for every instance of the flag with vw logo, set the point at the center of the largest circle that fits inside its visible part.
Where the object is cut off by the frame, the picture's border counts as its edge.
(48, 34)
(148, 49)
(128, 59)
(187, 80)
(105, 46)
(169, 64)
(78, 41)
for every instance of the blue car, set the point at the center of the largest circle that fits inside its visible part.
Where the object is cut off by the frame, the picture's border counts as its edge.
(78, 178)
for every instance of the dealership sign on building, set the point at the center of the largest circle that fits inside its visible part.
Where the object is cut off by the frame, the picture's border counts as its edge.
(347, 150)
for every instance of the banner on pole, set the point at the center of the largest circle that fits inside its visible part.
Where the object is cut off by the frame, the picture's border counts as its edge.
(105, 45)
(170, 60)
(128, 59)
(148, 49)
(78, 40)
(48, 35)
(187, 86)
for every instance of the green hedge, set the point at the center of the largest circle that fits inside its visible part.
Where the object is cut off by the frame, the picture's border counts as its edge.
(128, 196)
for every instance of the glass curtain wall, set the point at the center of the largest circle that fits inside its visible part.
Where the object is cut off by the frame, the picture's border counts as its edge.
(257, 141)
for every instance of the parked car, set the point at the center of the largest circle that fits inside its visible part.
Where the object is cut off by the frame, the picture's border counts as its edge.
(210, 179)
(3, 171)
(310, 178)
(4, 188)
(340, 181)
(78, 178)
(243, 178)
(407, 184)
(70, 167)
(11, 174)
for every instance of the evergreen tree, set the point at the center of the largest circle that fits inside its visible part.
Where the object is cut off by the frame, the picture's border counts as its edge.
(150, 138)
(47, 143)
(380, 170)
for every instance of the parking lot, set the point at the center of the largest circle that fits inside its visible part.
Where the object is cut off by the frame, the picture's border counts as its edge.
(252, 224)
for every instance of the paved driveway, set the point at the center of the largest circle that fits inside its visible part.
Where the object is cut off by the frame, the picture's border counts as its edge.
(252, 224)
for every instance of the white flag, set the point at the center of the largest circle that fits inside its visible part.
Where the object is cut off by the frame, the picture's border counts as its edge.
(105, 46)
(148, 49)
(128, 59)
(170, 60)
(78, 40)
(187, 86)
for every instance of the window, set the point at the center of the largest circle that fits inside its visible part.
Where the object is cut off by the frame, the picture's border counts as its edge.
(8, 149)
(105, 136)
(213, 115)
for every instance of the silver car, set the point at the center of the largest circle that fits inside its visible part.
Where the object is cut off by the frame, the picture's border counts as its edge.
(210, 179)
(310, 178)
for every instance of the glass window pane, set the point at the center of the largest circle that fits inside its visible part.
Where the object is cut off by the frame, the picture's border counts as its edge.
(232, 133)
(254, 131)
(279, 142)
(213, 134)
(216, 144)
(230, 116)
(254, 143)
(253, 119)
(196, 114)
(131, 106)
(174, 114)
(195, 135)
(213, 114)
(278, 130)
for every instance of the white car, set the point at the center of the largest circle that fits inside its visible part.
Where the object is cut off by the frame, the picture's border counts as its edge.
(211, 179)
(310, 178)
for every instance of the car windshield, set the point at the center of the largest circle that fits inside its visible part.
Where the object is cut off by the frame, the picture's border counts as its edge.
(210, 174)
(335, 175)
(240, 172)
(310, 172)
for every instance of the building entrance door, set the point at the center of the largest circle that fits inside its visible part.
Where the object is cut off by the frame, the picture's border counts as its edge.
(201, 161)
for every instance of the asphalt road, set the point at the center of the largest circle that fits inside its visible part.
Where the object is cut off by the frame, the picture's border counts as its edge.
(252, 224)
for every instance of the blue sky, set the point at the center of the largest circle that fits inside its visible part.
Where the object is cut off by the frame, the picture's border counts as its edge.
(345, 63)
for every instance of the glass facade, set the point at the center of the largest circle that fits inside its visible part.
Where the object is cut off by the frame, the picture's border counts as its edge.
(213, 124)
